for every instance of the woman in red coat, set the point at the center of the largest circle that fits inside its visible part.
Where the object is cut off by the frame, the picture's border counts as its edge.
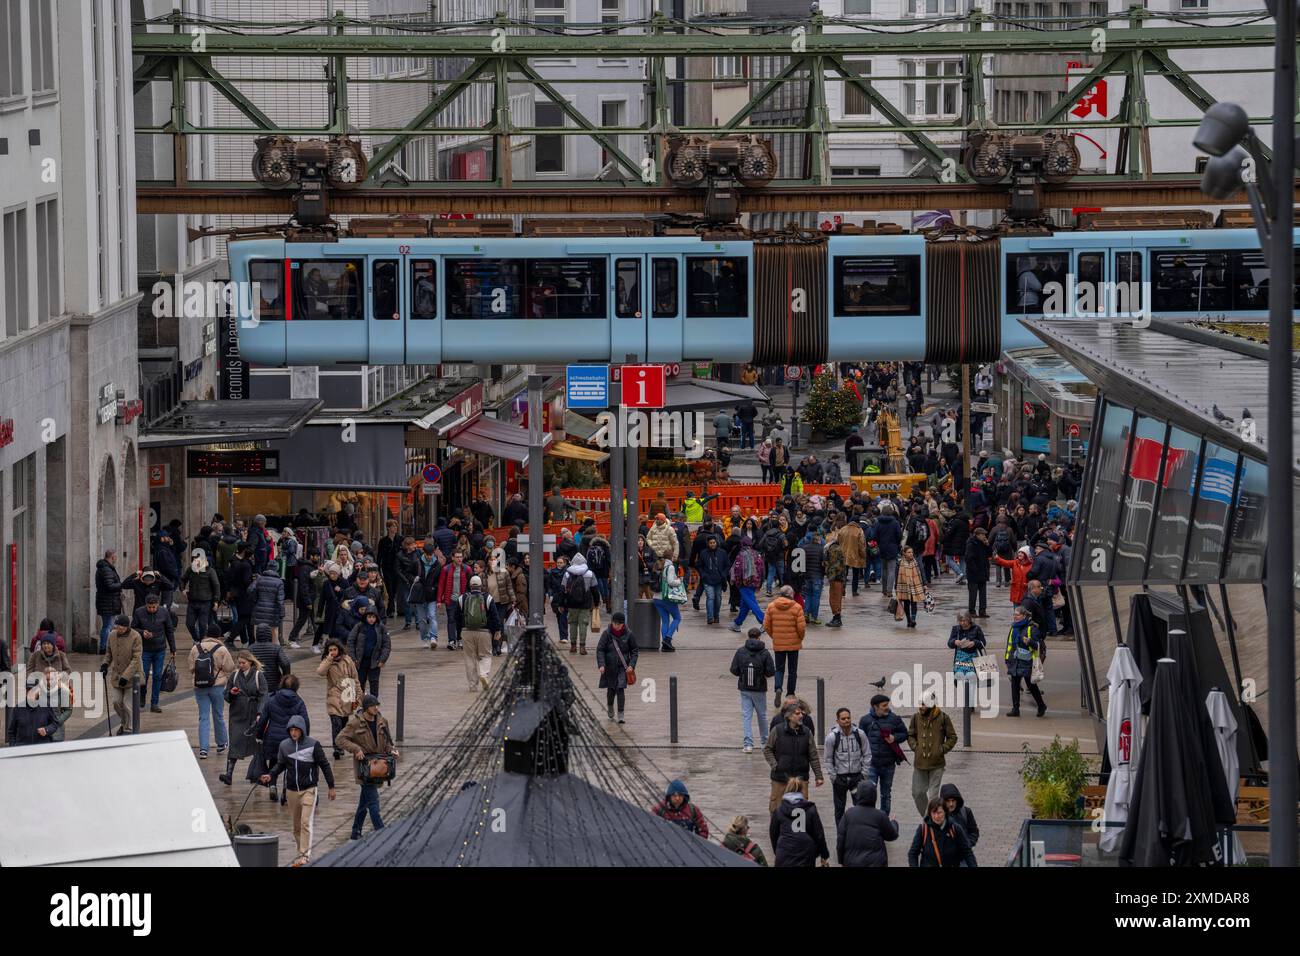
(1019, 572)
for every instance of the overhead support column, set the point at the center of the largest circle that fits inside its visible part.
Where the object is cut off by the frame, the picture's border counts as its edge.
(536, 513)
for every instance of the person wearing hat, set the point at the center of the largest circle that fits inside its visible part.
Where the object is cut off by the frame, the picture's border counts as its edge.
(368, 643)
(148, 581)
(123, 657)
(367, 734)
(164, 557)
(478, 619)
(47, 655)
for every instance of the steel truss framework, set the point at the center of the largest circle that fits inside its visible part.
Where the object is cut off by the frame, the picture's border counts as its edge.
(500, 56)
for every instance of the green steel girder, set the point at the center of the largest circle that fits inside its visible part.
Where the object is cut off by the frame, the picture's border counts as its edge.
(414, 128)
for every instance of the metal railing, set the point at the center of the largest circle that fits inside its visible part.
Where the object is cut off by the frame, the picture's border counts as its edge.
(1075, 843)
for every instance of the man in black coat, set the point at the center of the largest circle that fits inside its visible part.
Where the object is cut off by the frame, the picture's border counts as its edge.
(864, 830)
(1038, 606)
(791, 751)
(108, 595)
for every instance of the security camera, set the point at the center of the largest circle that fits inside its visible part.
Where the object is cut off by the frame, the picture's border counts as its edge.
(1223, 127)
(1222, 176)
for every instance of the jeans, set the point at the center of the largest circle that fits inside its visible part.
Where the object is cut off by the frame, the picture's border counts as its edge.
(106, 625)
(197, 615)
(775, 572)
(602, 585)
(670, 618)
(929, 568)
(890, 577)
(367, 802)
(883, 778)
(874, 571)
(153, 662)
(211, 711)
(748, 605)
(812, 597)
(753, 703)
(712, 600)
(784, 658)
(426, 619)
(954, 564)
(746, 434)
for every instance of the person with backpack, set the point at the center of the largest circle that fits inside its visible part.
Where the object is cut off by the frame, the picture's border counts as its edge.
(737, 841)
(478, 618)
(342, 688)
(210, 667)
(848, 754)
(747, 575)
(272, 658)
(939, 841)
(302, 761)
(886, 734)
(369, 645)
(581, 594)
(752, 665)
(863, 831)
(597, 554)
(1002, 542)
(616, 657)
(676, 808)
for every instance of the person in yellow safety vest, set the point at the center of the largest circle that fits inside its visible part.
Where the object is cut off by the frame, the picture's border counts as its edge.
(694, 507)
(871, 470)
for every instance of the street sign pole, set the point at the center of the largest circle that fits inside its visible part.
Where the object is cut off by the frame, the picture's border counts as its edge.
(632, 480)
(617, 527)
(536, 593)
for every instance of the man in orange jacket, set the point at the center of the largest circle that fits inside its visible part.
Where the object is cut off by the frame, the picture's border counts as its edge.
(784, 621)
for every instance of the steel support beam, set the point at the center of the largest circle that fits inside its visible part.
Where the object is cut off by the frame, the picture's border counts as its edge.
(453, 89)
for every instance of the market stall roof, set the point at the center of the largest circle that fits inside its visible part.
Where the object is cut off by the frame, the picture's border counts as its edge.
(217, 421)
(579, 426)
(1054, 382)
(488, 436)
(568, 449)
(705, 394)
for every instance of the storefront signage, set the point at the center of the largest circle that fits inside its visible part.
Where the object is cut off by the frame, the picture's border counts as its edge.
(128, 412)
(13, 602)
(469, 403)
(1029, 409)
(194, 370)
(1074, 429)
(983, 407)
(160, 476)
(233, 369)
(6, 432)
(232, 464)
(107, 403)
(644, 386)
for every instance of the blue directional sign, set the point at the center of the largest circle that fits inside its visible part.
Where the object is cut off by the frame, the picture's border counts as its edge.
(587, 386)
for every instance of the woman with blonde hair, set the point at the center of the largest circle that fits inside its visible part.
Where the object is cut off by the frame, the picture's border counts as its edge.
(245, 690)
(737, 841)
(796, 832)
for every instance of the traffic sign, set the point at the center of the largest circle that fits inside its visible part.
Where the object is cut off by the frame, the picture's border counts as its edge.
(587, 386)
(644, 386)
(1029, 409)
(984, 407)
(1074, 429)
(793, 373)
(432, 474)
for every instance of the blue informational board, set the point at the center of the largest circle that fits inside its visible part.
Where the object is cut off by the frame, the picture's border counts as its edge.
(587, 386)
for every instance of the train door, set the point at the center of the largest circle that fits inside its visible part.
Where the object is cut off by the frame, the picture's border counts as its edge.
(327, 296)
(422, 306)
(664, 332)
(627, 328)
(1091, 288)
(386, 305)
(1129, 286)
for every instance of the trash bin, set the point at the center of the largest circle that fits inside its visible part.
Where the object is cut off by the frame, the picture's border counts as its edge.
(645, 625)
(257, 849)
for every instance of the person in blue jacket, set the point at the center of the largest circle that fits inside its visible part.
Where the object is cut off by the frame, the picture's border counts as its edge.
(272, 728)
(886, 734)
(889, 538)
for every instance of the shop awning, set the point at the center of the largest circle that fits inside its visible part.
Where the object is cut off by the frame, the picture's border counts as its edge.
(365, 457)
(488, 436)
(579, 426)
(705, 395)
(567, 449)
(214, 422)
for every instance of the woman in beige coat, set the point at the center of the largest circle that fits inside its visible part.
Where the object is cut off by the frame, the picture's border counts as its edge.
(909, 590)
(342, 688)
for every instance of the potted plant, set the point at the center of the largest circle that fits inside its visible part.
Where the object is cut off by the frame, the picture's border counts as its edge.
(1054, 779)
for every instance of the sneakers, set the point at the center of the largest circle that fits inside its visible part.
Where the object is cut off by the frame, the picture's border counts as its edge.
(747, 749)
(432, 645)
(666, 647)
(203, 755)
(961, 579)
(563, 639)
(451, 645)
(621, 720)
(301, 861)
(295, 645)
(610, 708)
(696, 605)
(814, 620)
(221, 748)
(338, 755)
(735, 627)
(483, 682)
(1014, 713)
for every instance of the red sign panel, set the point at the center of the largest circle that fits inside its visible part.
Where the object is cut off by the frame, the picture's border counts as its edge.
(1145, 463)
(6, 431)
(1074, 429)
(1029, 409)
(644, 386)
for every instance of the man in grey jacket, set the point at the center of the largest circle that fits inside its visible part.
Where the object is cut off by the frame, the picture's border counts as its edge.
(847, 757)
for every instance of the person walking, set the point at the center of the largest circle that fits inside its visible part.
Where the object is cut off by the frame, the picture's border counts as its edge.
(581, 594)
(837, 571)
(784, 621)
(271, 726)
(848, 754)
(747, 575)
(938, 840)
(931, 735)
(158, 637)
(814, 554)
(955, 806)
(967, 642)
(478, 619)
(210, 667)
(342, 688)
(616, 657)
(796, 831)
(889, 540)
(976, 561)
(712, 566)
(672, 594)
(302, 761)
(202, 594)
(1024, 647)
(791, 754)
(271, 657)
(123, 662)
(752, 665)
(423, 595)
(367, 735)
(451, 585)
(245, 691)
(863, 831)
(886, 734)
(910, 591)
(676, 808)
(369, 645)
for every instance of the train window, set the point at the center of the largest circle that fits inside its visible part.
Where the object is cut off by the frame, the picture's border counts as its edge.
(327, 289)
(717, 286)
(1089, 293)
(1128, 283)
(383, 290)
(424, 289)
(627, 288)
(878, 285)
(665, 291)
(484, 288)
(1029, 278)
(566, 288)
(1191, 280)
(267, 277)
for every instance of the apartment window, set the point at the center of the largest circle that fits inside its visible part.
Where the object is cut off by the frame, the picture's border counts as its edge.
(1097, 10)
(42, 31)
(909, 87)
(97, 120)
(941, 87)
(858, 8)
(1042, 11)
(48, 301)
(852, 172)
(548, 151)
(856, 102)
(612, 113)
(1071, 13)
(551, 11)
(1195, 4)
(611, 13)
(11, 67)
(728, 67)
(13, 235)
(1042, 103)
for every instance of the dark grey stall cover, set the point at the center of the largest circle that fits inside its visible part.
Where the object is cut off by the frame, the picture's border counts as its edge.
(318, 457)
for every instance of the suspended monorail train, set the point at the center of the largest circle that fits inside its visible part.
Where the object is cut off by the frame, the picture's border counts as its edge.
(426, 300)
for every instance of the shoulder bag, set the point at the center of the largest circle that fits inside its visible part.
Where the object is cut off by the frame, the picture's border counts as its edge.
(630, 672)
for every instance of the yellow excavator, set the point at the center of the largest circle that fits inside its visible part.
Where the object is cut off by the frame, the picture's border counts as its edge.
(882, 469)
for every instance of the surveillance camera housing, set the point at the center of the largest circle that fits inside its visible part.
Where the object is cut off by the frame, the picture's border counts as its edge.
(1222, 177)
(1223, 127)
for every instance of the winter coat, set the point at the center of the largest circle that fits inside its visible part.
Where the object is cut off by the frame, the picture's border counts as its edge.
(357, 644)
(975, 564)
(738, 844)
(784, 620)
(962, 815)
(864, 830)
(687, 816)
(500, 587)
(663, 539)
(453, 581)
(939, 846)
(239, 584)
(161, 633)
(242, 710)
(273, 721)
(792, 753)
(223, 663)
(963, 658)
(519, 581)
(365, 736)
(123, 656)
(931, 734)
(713, 566)
(753, 660)
(38, 661)
(1019, 576)
(302, 761)
(337, 673)
(203, 585)
(956, 532)
(491, 612)
(1025, 634)
(614, 676)
(854, 544)
(835, 567)
(798, 839)
(909, 586)
(738, 576)
(773, 545)
(268, 600)
(427, 576)
(108, 589)
(889, 536)
(22, 724)
(883, 755)
(274, 661)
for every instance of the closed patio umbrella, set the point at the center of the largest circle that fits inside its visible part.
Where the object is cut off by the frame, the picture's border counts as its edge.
(1225, 736)
(1123, 741)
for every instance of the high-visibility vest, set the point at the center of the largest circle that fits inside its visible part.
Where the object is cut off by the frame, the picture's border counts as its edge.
(693, 510)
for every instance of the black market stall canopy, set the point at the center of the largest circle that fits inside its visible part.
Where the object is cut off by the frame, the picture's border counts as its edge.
(488, 436)
(362, 456)
(220, 422)
(706, 394)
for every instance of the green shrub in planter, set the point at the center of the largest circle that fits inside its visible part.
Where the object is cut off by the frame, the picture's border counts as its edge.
(1054, 779)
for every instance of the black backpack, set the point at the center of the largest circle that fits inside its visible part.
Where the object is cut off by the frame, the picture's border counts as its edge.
(205, 666)
(1001, 539)
(752, 677)
(920, 530)
(575, 591)
(598, 559)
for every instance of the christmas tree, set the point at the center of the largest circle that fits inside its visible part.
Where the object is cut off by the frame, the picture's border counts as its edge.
(831, 411)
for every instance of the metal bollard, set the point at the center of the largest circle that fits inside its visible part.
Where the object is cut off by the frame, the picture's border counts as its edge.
(821, 703)
(135, 705)
(401, 705)
(965, 713)
(672, 709)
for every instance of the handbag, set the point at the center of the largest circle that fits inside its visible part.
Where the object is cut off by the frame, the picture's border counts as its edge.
(893, 605)
(595, 619)
(376, 769)
(629, 672)
(1036, 672)
(986, 664)
(169, 678)
(1058, 600)
(514, 625)
(929, 601)
(675, 592)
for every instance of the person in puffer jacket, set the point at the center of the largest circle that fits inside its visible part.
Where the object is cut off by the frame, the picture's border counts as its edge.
(796, 832)
(960, 814)
(676, 808)
(864, 830)
(272, 658)
(302, 761)
(268, 602)
(272, 727)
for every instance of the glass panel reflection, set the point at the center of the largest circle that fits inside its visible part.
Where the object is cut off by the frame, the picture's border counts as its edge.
(1108, 483)
(1249, 524)
(1214, 504)
(1181, 462)
(1140, 499)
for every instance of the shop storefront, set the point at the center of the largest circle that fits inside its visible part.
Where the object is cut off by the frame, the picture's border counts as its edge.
(1045, 406)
